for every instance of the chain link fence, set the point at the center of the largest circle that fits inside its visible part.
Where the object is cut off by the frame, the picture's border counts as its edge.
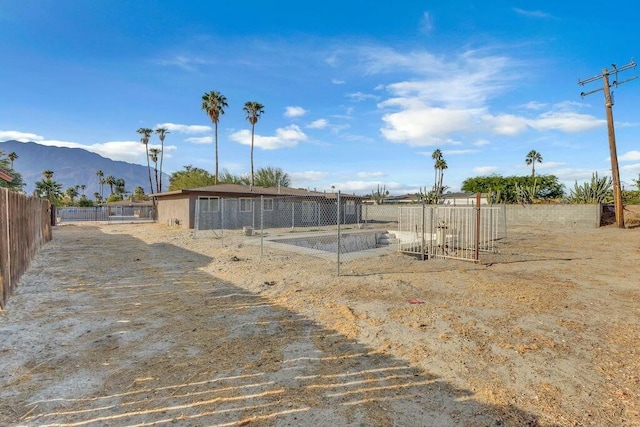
(104, 213)
(345, 228)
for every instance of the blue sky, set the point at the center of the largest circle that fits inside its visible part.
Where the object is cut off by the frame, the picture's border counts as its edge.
(357, 94)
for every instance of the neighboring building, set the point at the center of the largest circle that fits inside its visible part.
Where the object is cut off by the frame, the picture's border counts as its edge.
(237, 206)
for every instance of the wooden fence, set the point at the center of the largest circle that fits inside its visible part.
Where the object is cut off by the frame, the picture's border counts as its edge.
(25, 225)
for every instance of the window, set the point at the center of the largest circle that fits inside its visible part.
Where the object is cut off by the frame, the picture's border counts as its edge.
(267, 204)
(209, 204)
(245, 205)
(350, 207)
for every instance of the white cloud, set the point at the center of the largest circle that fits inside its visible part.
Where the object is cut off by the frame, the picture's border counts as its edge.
(426, 24)
(181, 61)
(294, 112)
(535, 105)
(566, 122)
(481, 143)
(549, 165)
(370, 174)
(200, 140)
(7, 135)
(338, 82)
(308, 176)
(485, 170)
(189, 129)
(360, 96)
(458, 152)
(629, 156)
(365, 187)
(288, 136)
(318, 124)
(532, 13)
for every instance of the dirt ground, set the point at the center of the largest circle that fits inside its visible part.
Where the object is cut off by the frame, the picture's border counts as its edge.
(141, 324)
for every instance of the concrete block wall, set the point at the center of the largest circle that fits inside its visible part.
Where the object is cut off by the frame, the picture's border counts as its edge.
(574, 216)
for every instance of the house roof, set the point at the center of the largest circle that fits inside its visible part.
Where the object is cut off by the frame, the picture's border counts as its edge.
(254, 191)
(5, 176)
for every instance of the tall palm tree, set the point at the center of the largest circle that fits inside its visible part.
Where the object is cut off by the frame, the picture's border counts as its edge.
(532, 158)
(100, 175)
(48, 174)
(436, 156)
(12, 156)
(153, 154)
(214, 103)
(253, 110)
(162, 133)
(110, 181)
(441, 165)
(145, 135)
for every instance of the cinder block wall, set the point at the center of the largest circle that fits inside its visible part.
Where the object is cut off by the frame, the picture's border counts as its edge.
(575, 216)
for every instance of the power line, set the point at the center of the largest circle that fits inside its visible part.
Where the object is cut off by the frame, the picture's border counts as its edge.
(608, 102)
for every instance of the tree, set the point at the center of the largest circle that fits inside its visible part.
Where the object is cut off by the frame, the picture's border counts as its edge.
(49, 189)
(271, 177)
(228, 178)
(110, 181)
(532, 158)
(120, 187)
(145, 135)
(441, 165)
(153, 153)
(253, 110)
(436, 156)
(501, 189)
(71, 193)
(162, 133)
(12, 156)
(16, 183)
(190, 177)
(101, 182)
(214, 103)
(138, 194)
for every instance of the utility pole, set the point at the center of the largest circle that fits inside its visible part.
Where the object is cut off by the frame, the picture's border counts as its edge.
(608, 102)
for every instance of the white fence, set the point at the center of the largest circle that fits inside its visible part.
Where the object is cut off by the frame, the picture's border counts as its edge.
(459, 232)
(104, 213)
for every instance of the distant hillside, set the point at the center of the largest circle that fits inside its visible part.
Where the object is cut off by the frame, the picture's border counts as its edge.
(73, 166)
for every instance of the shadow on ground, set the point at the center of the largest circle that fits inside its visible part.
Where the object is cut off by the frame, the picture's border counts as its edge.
(107, 330)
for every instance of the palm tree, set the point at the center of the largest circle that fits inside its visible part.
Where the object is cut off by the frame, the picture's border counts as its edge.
(153, 154)
(100, 175)
(146, 134)
(98, 197)
(48, 188)
(12, 156)
(214, 103)
(436, 156)
(162, 133)
(72, 193)
(532, 158)
(253, 111)
(441, 165)
(119, 184)
(110, 181)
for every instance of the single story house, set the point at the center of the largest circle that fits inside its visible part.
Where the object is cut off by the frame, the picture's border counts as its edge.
(234, 206)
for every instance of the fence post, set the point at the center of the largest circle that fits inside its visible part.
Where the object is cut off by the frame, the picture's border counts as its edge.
(422, 248)
(338, 239)
(261, 226)
(476, 255)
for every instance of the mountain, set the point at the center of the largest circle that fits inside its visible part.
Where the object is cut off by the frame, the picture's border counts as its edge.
(73, 166)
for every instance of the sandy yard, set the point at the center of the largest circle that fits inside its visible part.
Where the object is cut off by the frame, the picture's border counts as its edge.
(140, 324)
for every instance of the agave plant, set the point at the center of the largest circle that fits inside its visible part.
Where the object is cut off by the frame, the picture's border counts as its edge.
(598, 190)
